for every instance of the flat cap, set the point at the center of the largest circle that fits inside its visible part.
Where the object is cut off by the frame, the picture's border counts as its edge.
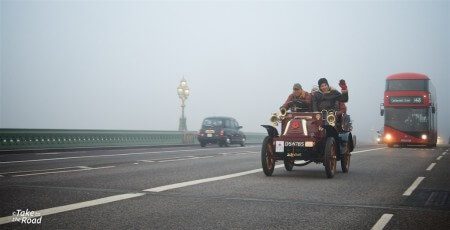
(297, 86)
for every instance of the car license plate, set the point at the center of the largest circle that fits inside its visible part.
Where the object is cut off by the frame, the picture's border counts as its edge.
(405, 140)
(294, 144)
(209, 135)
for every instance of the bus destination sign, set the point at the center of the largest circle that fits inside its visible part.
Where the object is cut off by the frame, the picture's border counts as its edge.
(406, 100)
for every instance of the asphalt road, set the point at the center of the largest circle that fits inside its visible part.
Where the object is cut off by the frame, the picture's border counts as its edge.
(223, 188)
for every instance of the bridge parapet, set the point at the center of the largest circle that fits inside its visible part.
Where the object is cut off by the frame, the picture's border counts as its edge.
(29, 139)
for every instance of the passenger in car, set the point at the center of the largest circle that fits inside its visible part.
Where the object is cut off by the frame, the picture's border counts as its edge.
(298, 100)
(327, 98)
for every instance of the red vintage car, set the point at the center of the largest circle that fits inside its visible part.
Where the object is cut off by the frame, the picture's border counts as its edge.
(321, 137)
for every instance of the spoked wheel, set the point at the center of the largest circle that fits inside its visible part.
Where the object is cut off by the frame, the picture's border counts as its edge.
(330, 157)
(268, 163)
(289, 164)
(345, 161)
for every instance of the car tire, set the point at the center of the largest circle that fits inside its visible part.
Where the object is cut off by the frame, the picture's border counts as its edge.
(330, 157)
(267, 161)
(227, 142)
(242, 142)
(202, 144)
(345, 160)
(289, 164)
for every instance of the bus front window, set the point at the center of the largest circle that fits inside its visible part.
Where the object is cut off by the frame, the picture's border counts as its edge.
(407, 119)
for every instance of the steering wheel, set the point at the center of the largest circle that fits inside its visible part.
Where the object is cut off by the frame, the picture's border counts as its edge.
(298, 106)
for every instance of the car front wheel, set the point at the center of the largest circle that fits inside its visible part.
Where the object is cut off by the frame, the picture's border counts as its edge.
(345, 161)
(330, 157)
(268, 163)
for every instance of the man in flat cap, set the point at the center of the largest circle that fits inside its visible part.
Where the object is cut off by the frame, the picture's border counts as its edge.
(298, 100)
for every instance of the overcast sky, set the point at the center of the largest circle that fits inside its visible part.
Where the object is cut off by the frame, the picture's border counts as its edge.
(117, 64)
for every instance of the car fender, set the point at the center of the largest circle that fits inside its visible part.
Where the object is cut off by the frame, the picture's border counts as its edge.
(271, 131)
(347, 137)
(331, 132)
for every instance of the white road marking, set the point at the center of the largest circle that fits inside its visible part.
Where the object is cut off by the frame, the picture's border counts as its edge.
(110, 155)
(439, 158)
(205, 180)
(444, 153)
(172, 158)
(53, 172)
(178, 159)
(47, 153)
(148, 161)
(431, 166)
(84, 167)
(203, 157)
(40, 170)
(381, 223)
(367, 150)
(85, 204)
(416, 183)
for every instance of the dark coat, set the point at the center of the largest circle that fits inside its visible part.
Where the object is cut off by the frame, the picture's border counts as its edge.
(328, 100)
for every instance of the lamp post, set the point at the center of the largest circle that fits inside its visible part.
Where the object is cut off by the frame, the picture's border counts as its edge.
(183, 93)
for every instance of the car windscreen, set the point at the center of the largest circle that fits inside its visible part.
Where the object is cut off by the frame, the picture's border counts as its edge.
(407, 119)
(212, 122)
(393, 85)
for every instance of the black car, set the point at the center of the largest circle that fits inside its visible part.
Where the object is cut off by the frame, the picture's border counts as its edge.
(221, 130)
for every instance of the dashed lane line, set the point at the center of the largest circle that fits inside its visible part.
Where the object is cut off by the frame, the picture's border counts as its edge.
(381, 223)
(431, 166)
(416, 183)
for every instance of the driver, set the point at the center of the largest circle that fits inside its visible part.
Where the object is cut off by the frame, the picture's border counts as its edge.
(299, 99)
(327, 98)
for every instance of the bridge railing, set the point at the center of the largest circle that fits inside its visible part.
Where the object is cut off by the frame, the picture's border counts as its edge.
(29, 139)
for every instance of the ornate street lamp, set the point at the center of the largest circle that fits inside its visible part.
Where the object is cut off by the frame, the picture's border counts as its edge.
(183, 93)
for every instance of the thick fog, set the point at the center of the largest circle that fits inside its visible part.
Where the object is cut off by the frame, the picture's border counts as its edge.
(117, 64)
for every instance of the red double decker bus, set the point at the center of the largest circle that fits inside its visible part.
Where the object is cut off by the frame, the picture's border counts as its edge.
(409, 110)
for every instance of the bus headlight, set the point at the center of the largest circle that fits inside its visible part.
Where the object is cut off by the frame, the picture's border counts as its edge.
(424, 137)
(388, 136)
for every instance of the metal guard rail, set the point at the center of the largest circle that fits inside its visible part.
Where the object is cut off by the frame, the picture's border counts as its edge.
(29, 139)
